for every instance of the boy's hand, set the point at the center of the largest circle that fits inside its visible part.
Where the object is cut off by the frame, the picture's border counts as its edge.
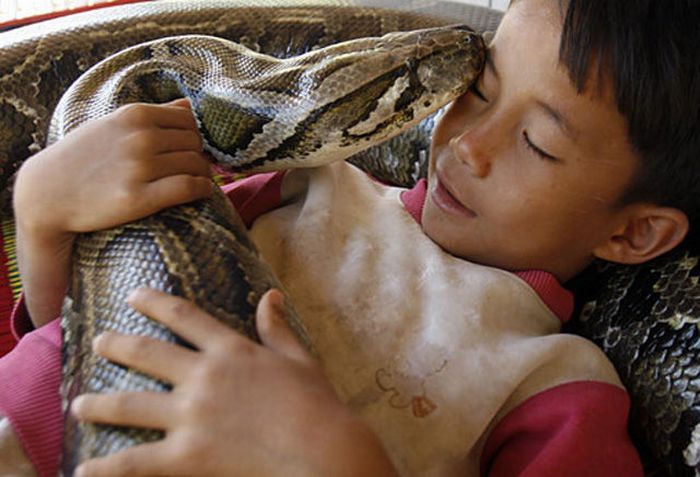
(236, 409)
(124, 166)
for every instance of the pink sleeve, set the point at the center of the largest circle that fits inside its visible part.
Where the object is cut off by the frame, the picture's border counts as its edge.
(255, 195)
(29, 396)
(576, 429)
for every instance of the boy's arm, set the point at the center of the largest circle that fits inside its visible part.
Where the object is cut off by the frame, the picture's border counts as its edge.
(122, 167)
(45, 267)
(575, 429)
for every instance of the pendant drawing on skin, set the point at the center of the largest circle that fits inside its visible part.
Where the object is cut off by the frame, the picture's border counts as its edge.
(407, 391)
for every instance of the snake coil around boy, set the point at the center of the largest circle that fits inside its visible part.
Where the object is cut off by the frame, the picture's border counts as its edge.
(255, 113)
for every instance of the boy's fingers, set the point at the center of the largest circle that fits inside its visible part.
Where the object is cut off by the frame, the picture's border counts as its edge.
(182, 316)
(182, 162)
(142, 460)
(174, 139)
(179, 102)
(273, 329)
(175, 190)
(176, 115)
(159, 359)
(150, 410)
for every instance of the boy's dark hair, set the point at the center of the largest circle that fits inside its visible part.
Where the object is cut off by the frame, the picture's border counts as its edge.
(650, 50)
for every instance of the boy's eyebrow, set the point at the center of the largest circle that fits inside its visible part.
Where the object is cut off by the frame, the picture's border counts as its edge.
(563, 123)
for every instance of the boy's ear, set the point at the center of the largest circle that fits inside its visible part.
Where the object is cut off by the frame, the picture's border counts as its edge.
(647, 232)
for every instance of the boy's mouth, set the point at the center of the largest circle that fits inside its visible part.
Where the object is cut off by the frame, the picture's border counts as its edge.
(447, 202)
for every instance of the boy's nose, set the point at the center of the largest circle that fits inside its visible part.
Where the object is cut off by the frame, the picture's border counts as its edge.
(466, 150)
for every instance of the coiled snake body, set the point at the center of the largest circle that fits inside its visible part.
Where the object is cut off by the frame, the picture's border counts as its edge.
(255, 113)
(646, 318)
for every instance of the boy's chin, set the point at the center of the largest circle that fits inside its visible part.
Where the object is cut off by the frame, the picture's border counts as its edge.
(440, 232)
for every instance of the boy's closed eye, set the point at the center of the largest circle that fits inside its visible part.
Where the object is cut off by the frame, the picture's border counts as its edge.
(541, 153)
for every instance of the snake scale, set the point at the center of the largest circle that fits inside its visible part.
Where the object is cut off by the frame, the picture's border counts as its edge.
(645, 318)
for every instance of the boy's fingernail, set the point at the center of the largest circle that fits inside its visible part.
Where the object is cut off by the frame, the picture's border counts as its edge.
(277, 301)
(135, 294)
(75, 405)
(98, 341)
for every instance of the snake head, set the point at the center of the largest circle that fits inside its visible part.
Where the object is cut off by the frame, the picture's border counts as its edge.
(330, 103)
(410, 75)
(347, 97)
(453, 66)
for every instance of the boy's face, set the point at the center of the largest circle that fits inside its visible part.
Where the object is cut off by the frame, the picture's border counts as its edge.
(527, 177)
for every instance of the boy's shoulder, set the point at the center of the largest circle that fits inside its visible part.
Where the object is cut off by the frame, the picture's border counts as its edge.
(570, 359)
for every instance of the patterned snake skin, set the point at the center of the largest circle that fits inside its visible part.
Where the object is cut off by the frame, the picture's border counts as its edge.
(255, 113)
(645, 318)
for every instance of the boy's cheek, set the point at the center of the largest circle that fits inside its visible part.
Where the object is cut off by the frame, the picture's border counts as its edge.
(461, 115)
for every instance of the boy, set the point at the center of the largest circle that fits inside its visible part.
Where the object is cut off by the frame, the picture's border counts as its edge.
(443, 358)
